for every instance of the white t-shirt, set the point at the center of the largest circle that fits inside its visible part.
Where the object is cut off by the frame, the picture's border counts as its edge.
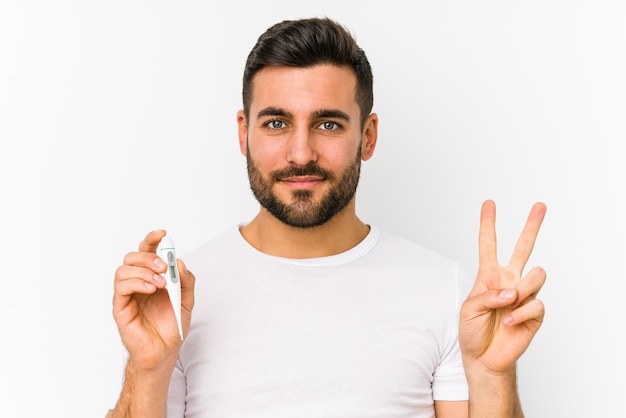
(371, 332)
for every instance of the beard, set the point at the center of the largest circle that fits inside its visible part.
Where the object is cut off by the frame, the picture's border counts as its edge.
(303, 212)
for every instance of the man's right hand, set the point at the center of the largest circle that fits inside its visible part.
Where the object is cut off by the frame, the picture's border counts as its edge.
(142, 308)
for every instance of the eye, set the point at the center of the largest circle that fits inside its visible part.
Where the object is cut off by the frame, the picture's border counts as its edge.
(275, 124)
(329, 126)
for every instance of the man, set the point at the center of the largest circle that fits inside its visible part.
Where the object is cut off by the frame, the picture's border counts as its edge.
(307, 311)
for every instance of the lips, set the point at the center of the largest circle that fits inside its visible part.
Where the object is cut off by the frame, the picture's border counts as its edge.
(309, 174)
(302, 178)
(302, 181)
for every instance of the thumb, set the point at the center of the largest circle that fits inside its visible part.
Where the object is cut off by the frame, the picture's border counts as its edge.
(187, 284)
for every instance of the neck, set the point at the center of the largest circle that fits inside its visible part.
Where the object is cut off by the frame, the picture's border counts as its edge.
(271, 236)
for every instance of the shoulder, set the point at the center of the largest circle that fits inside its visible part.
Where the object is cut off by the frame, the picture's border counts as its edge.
(393, 245)
(222, 247)
(400, 253)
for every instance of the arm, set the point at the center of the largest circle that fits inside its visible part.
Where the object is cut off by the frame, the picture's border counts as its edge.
(148, 328)
(499, 318)
(144, 393)
(493, 395)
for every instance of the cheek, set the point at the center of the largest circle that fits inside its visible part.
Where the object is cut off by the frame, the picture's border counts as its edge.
(341, 156)
(267, 156)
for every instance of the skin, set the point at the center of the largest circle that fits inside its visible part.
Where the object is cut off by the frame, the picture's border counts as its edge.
(295, 100)
(303, 116)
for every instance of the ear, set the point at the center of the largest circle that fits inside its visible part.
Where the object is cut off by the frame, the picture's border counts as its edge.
(370, 136)
(242, 130)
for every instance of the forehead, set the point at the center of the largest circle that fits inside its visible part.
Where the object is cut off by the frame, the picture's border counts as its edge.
(304, 89)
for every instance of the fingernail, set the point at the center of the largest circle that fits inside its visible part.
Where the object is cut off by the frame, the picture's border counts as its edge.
(507, 293)
(508, 320)
(158, 279)
(160, 264)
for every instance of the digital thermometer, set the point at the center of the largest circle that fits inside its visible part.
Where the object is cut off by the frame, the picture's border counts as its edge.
(167, 252)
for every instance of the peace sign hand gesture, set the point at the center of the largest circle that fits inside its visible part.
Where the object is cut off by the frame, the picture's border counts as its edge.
(501, 315)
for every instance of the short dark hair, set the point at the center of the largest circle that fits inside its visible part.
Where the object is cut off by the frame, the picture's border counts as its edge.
(305, 43)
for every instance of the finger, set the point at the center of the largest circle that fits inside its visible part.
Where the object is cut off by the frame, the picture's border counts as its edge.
(146, 260)
(489, 300)
(126, 303)
(125, 273)
(531, 311)
(526, 240)
(187, 279)
(187, 284)
(487, 246)
(130, 280)
(131, 286)
(531, 285)
(151, 241)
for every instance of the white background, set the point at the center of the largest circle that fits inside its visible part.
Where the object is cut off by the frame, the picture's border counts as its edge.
(118, 117)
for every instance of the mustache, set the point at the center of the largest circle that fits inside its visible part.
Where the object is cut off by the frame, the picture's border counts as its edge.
(310, 169)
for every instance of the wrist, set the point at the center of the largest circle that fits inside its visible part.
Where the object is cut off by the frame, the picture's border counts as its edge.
(150, 368)
(477, 370)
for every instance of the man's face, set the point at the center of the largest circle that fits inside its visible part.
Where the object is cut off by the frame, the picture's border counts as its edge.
(303, 142)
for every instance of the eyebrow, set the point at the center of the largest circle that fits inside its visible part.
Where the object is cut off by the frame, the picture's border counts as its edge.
(332, 113)
(272, 111)
(322, 113)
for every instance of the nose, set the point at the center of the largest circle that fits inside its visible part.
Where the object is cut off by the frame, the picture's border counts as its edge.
(301, 148)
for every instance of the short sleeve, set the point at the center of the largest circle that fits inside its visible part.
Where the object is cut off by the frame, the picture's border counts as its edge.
(449, 381)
